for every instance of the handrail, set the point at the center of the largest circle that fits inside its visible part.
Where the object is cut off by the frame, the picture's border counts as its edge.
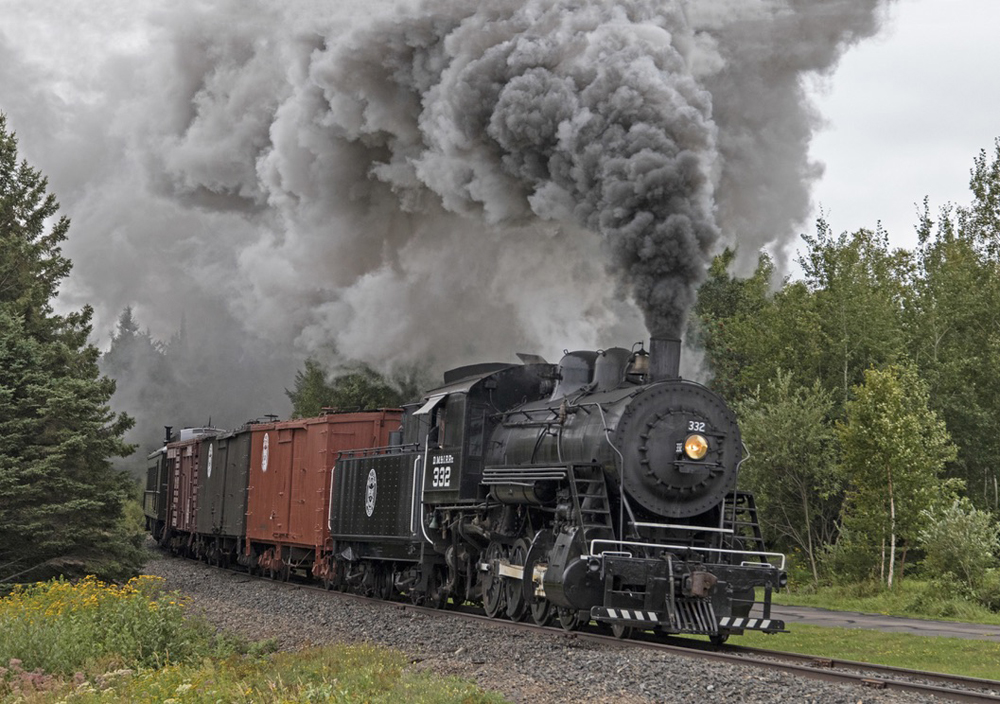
(673, 526)
(362, 452)
(721, 551)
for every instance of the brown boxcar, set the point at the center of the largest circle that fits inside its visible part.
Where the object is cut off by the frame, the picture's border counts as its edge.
(288, 495)
(183, 462)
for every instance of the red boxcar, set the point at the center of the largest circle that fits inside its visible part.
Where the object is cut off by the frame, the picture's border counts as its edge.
(288, 497)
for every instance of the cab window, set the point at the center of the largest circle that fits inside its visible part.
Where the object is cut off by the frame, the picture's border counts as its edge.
(454, 421)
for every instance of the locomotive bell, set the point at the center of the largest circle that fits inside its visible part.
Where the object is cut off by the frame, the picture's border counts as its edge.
(640, 363)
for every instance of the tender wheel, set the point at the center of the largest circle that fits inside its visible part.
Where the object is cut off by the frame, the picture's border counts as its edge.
(493, 587)
(513, 590)
(718, 639)
(330, 575)
(437, 595)
(621, 631)
(383, 584)
(417, 597)
(454, 583)
(569, 619)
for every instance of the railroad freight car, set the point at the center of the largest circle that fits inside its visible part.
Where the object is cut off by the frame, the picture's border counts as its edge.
(222, 496)
(173, 474)
(155, 499)
(288, 486)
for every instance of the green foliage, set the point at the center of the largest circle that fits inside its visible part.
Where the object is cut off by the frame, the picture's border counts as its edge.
(61, 502)
(983, 215)
(789, 433)
(195, 666)
(859, 290)
(862, 308)
(955, 328)
(971, 658)
(358, 388)
(61, 628)
(960, 541)
(727, 323)
(845, 317)
(987, 591)
(894, 448)
(915, 597)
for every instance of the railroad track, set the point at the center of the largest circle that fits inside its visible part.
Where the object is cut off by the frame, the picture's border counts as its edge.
(879, 677)
(952, 687)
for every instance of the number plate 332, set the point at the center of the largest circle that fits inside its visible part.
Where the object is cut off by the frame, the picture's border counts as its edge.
(441, 479)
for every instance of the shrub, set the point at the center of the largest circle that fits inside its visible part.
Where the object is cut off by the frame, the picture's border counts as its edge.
(60, 627)
(988, 591)
(961, 541)
(853, 559)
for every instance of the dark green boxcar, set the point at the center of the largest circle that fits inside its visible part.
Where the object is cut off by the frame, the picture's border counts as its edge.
(222, 499)
(154, 501)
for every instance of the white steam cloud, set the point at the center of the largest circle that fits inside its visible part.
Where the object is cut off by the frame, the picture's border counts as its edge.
(427, 182)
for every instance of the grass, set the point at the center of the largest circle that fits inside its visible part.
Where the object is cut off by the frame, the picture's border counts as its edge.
(90, 642)
(911, 598)
(345, 674)
(971, 658)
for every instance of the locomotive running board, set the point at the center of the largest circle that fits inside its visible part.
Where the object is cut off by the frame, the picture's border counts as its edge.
(638, 617)
(770, 625)
(632, 616)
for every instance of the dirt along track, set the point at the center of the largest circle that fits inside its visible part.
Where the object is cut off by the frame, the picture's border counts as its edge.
(878, 622)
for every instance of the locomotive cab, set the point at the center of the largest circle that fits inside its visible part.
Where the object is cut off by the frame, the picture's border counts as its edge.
(455, 422)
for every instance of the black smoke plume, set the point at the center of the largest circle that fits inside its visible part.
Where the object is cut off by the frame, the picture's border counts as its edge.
(428, 182)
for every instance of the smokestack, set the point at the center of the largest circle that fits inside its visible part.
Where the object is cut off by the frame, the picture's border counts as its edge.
(167, 428)
(664, 358)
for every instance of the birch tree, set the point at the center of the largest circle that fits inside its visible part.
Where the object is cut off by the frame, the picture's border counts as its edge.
(894, 448)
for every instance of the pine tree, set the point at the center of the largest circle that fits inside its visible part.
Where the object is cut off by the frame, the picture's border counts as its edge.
(358, 388)
(62, 505)
(143, 381)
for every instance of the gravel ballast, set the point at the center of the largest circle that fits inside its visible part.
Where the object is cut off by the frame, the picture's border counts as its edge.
(523, 666)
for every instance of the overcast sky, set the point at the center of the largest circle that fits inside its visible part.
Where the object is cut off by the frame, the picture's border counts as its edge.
(906, 113)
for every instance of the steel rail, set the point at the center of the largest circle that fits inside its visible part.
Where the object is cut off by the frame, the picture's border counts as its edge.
(881, 670)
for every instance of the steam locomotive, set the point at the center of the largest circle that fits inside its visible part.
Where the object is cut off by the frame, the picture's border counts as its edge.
(600, 489)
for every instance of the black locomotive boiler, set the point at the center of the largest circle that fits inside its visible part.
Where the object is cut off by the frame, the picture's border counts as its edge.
(602, 488)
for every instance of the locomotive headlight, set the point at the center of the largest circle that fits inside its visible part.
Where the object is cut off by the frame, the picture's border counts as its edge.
(696, 446)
